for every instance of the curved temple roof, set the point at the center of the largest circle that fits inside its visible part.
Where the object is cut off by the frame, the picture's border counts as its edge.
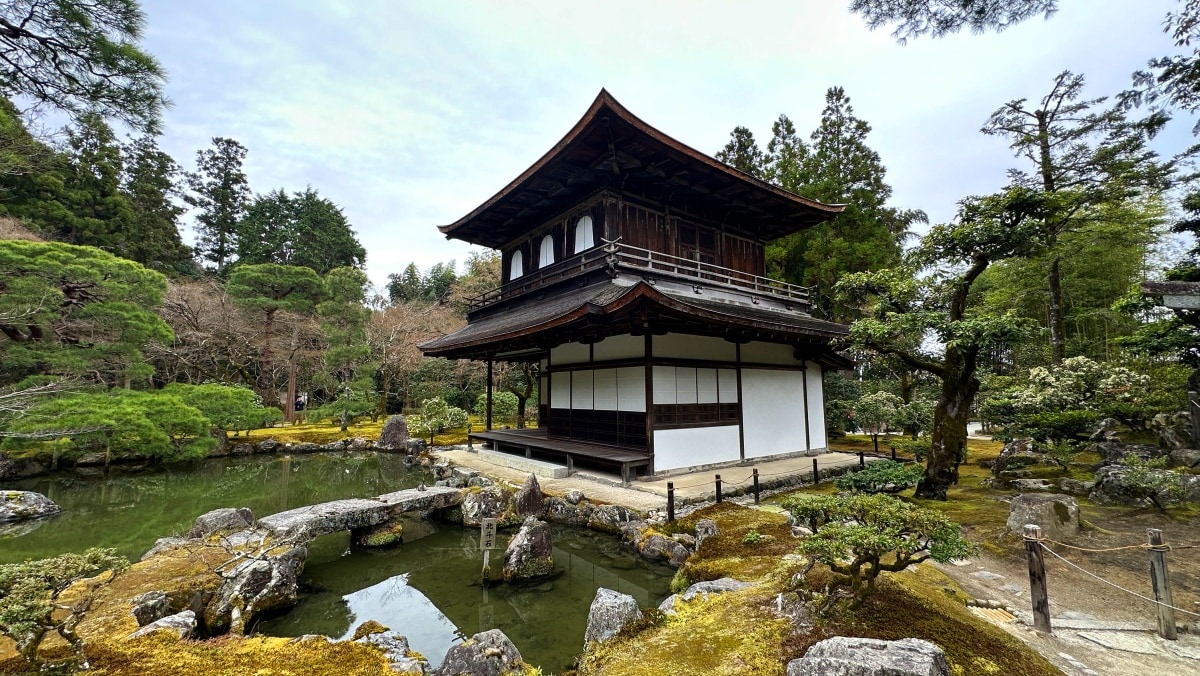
(611, 148)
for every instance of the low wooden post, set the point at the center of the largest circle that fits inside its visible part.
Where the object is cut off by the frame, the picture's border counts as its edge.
(670, 502)
(1161, 584)
(893, 454)
(470, 444)
(816, 473)
(718, 488)
(1037, 578)
(862, 460)
(755, 474)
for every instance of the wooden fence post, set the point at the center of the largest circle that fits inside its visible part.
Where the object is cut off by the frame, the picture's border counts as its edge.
(670, 502)
(718, 488)
(862, 460)
(816, 473)
(755, 471)
(1161, 584)
(1037, 578)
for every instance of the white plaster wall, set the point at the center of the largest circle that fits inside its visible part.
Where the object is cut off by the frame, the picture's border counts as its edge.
(560, 389)
(620, 347)
(773, 412)
(727, 386)
(674, 449)
(569, 353)
(816, 406)
(683, 346)
(581, 389)
(685, 385)
(758, 352)
(604, 387)
(631, 389)
(664, 385)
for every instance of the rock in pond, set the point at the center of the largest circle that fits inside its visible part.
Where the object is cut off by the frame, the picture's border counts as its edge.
(488, 653)
(394, 435)
(253, 587)
(1058, 515)
(530, 554)
(182, 625)
(224, 519)
(848, 656)
(22, 505)
(610, 612)
(488, 503)
(610, 518)
(396, 651)
(529, 500)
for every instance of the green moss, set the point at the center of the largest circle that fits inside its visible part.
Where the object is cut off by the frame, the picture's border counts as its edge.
(367, 628)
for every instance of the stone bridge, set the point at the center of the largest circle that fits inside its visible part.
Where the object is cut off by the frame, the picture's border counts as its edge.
(306, 523)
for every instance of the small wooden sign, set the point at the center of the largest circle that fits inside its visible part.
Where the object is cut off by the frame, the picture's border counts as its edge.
(487, 534)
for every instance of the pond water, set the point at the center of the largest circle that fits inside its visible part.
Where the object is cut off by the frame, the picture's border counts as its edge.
(427, 588)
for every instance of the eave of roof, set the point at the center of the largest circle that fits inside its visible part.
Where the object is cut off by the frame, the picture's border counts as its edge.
(596, 114)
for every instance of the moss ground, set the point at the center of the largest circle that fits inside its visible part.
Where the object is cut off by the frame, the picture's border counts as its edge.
(325, 432)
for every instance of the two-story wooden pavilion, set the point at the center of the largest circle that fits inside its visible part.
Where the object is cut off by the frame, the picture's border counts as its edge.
(633, 276)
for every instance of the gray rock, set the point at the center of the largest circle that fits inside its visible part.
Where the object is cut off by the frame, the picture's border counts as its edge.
(415, 446)
(224, 519)
(488, 653)
(151, 607)
(480, 481)
(1113, 487)
(268, 446)
(529, 500)
(610, 518)
(1015, 455)
(182, 625)
(703, 589)
(1058, 515)
(1113, 452)
(306, 523)
(559, 510)
(358, 444)
(306, 447)
(333, 447)
(241, 449)
(1030, 485)
(1186, 457)
(162, 545)
(658, 547)
(1191, 487)
(23, 505)
(610, 612)
(253, 587)
(1075, 486)
(19, 468)
(397, 652)
(530, 554)
(574, 496)
(684, 539)
(91, 460)
(847, 656)
(1106, 430)
(394, 435)
(1173, 430)
(488, 503)
(705, 528)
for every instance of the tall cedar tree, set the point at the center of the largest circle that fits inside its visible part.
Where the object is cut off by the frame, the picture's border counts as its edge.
(100, 215)
(742, 152)
(220, 191)
(927, 295)
(1081, 157)
(81, 57)
(301, 229)
(150, 183)
(344, 319)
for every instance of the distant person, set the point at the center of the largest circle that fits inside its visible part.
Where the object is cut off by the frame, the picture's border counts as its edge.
(298, 408)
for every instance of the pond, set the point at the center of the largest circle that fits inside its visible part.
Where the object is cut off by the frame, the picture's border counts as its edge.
(427, 588)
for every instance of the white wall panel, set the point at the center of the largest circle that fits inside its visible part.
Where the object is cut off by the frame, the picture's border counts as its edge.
(631, 389)
(816, 406)
(683, 346)
(604, 385)
(685, 385)
(664, 385)
(674, 449)
(620, 347)
(581, 389)
(759, 352)
(560, 389)
(773, 412)
(706, 386)
(569, 353)
(727, 386)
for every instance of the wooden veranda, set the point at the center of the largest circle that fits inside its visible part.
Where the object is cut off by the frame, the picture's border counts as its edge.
(536, 443)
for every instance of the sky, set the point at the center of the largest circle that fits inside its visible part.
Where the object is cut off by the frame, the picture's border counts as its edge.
(408, 115)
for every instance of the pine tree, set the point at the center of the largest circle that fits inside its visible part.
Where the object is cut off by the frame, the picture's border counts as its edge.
(742, 152)
(302, 229)
(149, 183)
(220, 191)
(100, 214)
(406, 286)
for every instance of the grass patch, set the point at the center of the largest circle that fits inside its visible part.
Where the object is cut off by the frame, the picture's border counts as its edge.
(327, 432)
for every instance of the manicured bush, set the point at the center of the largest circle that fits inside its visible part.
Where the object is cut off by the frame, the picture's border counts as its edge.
(882, 477)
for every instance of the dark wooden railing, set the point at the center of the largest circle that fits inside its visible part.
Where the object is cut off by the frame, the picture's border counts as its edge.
(615, 255)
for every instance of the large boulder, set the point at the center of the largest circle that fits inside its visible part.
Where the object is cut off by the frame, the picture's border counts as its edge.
(394, 435)
(1016, 454)
(562, 510)
(1113, 452)
(529, 500)
(19, 468)
(1106, 430)
(150, 607)
(610, 612)
(488, 653)
(396, 651)
(1118, 485)
(1186, 457)
(530, 553)
(704, 589)
(218, 520)
(657, 547)
(1058, 515)
(1173, 430)
(22, 505)
(705, 528)
(488, 503)
(182, 625)
(848, 656)
(255, 586)
(610, 518)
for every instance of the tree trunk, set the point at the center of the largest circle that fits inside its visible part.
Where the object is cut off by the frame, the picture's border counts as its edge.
(1058, 338)
(265, 388)
(948, 449)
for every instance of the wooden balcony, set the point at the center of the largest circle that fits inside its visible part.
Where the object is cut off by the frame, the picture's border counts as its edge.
(617, 257)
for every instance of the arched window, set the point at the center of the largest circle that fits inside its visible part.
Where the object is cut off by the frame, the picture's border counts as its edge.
(546, 251)
(516, 267)
(583, 234)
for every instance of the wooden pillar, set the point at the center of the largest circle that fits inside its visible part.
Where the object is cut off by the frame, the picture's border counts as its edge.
(1161, 584)
(648, 349)
(741, 416)
(1037, 578)
(489, 395)
(807, 427)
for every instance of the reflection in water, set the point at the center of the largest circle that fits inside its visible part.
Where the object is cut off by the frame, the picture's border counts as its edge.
(128, 508)
(429, 591)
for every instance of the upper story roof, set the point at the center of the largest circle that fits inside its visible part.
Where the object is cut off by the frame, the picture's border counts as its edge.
(611, 148)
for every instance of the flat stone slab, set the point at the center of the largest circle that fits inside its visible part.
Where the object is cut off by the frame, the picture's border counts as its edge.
(307, 523)
(1145, 643)
(540, 468)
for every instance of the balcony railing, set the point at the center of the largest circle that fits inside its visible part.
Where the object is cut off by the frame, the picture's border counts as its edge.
(614, 256)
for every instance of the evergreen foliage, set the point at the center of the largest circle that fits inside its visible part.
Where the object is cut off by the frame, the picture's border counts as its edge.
(220, 191)
(914, 18)
(301, 229)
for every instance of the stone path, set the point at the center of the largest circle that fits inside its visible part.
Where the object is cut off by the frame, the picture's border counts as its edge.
(307, 523)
